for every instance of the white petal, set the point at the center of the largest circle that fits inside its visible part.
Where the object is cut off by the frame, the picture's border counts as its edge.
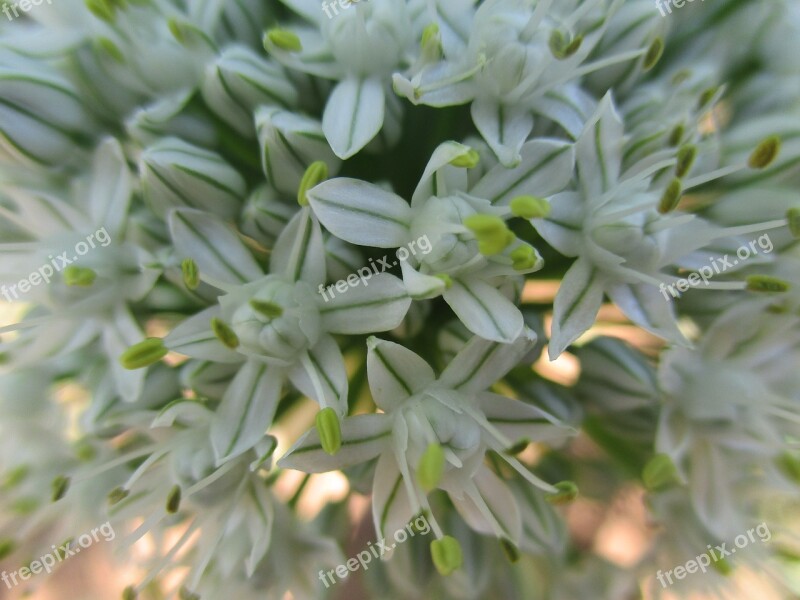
(327, 363)
(517, 420)
(563, 227)
(505, 128)
(599, 150)
(111, 187)
(194, 337)
(391, 509)
(482, 362)
(646, 306)
(576, 305)
(380, 306)
(503, 509)
(363, 438)
(213, 245)
(569, 106)
(484, 310)
(353, 115)
(361, 213)
(440, 177)
(246, 409)
(298, 252)
(395, 373)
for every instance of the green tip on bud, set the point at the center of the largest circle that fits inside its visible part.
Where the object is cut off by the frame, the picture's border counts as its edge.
(117, 495)
(129, 593)
(7, 546)
(789, 466)
(722, 566)
(510, 550)
(316, 173)
(671, 197)
(529, 207)
(491, 232)
(676, 135)
(185, 594)
(707, 96)
(468, 160)
(14, 477)
(561, 47)
(174, 500)
(59, 486)
(523, 258)
(518, 447)
(268, 309)
(78, 276)
(766, 152)
(329, 430)
(285, 39)
(430, 32)
(448, 281)
(446, 555)
(660, 473)
(654, 53)
(766, 283)
(102, 9)
(431, 467)
(567, 492)
(143, 354)
(793, 218)
(686, 156)
(224, 333)
(108, 47)
(191, 274)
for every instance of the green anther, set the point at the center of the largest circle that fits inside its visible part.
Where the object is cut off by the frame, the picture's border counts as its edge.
(789, 466)
(59, 486)
(676, 135)
(560, 47)
(14, 477)
(268, 309)
(25, 506)
(109, 47)
(176, 29)
(431, 467)
(448, 281)
(722, 566)
(654, 53)
(174, 500)
(316, 173)
(491, 232)
(523, 258)
(102, 9)
(660, 473)
(518, 447)
(686, 156)
(224, 334)
(143, 354)
(766, 152)
(78, 276)
(84, 450)
(4, 358)
(329, 430)
(7, 546)
(567, 492)
(510, 550)
(191, 274)
(530, 207)
(707, 96)
(671, 197)
(446, 554)
(285, 39)
(129, 593)
(766, 283)
(793, 217)
(117, 495)
(431, 31)
(468, 160)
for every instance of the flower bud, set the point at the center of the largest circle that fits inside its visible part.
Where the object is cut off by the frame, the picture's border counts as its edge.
(175, 173)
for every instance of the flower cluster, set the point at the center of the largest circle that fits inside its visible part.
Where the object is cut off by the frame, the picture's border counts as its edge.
(240, 156)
